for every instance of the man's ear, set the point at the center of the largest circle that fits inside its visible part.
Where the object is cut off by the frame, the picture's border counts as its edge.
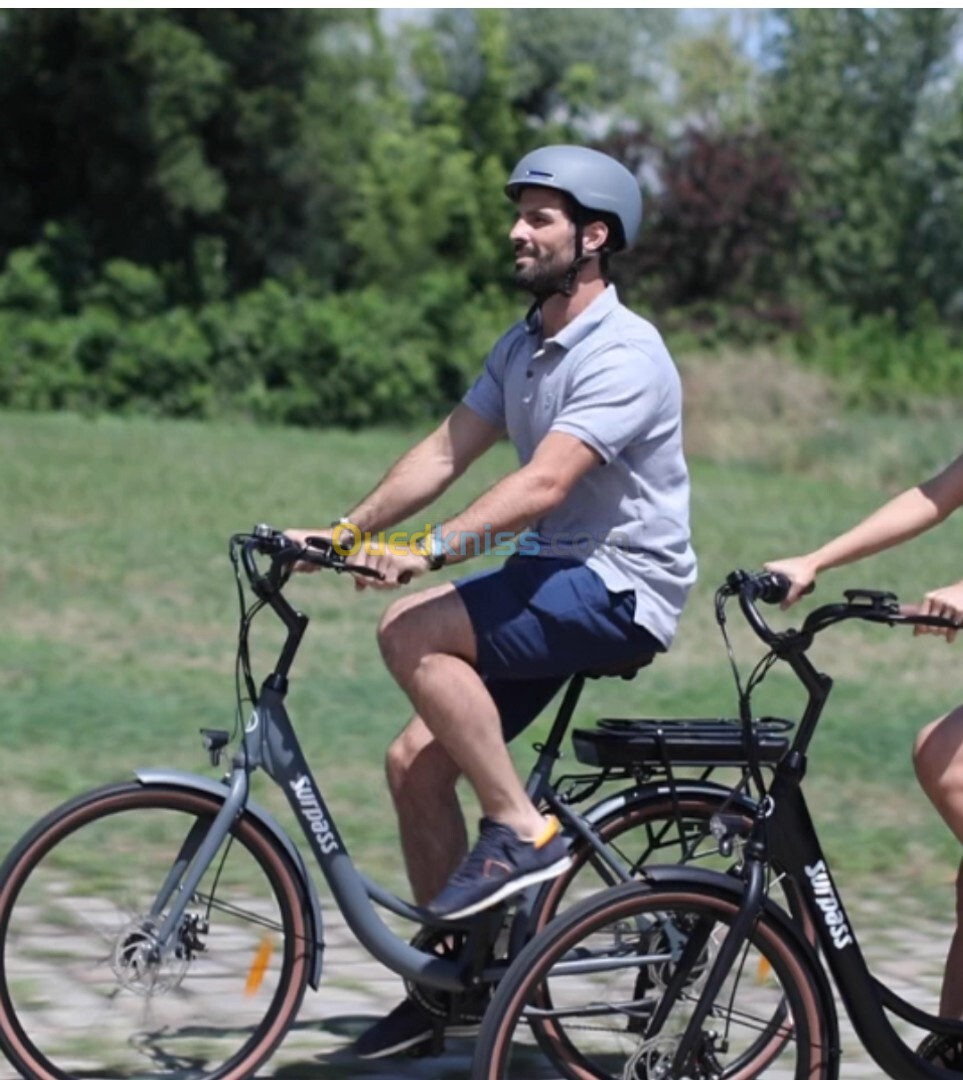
(594, 236)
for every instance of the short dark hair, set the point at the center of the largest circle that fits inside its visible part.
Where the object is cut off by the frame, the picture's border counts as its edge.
(583, 216)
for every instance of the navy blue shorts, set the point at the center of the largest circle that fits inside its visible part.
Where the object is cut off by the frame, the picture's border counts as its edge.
(538, 621)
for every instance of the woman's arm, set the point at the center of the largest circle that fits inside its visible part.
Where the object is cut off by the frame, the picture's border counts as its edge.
(910, 513)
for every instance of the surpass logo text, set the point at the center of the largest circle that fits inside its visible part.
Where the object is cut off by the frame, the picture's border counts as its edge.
(314, 815)
(828, 904)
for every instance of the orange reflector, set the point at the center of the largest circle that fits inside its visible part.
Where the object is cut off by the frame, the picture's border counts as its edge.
(258, 966)
(763, 970)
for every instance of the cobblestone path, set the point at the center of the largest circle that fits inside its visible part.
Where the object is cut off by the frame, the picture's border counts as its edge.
(904, 950)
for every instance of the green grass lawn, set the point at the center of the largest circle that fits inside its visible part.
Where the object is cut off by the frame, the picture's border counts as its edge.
(119, 617)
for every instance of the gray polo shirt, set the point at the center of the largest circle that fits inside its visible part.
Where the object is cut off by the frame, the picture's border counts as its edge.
(606, 378)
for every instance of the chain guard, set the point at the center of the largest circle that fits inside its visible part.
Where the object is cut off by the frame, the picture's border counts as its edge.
(464, 1008)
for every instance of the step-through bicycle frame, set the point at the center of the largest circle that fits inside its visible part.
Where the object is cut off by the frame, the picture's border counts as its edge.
(784, 833)
(270, 743)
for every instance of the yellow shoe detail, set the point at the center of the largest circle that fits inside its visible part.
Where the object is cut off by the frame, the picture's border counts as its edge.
(551, 831)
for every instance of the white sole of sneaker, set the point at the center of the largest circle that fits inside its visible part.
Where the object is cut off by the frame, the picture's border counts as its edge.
(395, 1048)
(468, 1031)
(509, 889)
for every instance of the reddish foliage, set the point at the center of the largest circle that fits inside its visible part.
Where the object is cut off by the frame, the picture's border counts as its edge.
(720, 223)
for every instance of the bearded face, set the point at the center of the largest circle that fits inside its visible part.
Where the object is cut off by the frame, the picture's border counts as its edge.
(544, 241)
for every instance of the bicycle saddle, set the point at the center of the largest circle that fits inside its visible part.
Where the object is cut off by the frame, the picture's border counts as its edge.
(624, 671)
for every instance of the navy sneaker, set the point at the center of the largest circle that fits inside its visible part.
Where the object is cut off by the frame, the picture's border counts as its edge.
(500, 865)
(405, 1027)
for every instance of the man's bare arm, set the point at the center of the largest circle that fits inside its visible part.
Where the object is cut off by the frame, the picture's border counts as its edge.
(524, 496)
(426, 470)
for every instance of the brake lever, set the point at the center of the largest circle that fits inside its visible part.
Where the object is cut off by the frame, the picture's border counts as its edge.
(338, 561)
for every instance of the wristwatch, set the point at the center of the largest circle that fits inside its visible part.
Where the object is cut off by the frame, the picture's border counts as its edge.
(354, 531)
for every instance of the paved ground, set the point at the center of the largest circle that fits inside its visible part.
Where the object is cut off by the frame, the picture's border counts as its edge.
(904, 950)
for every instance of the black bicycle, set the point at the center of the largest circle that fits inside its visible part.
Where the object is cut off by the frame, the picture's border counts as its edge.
(689, 973)
(168, 926)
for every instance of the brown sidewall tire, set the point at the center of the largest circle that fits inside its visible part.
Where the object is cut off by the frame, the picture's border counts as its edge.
(275, 862)
(624, 902)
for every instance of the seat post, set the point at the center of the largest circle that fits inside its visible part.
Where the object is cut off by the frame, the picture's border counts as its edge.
(550, 751)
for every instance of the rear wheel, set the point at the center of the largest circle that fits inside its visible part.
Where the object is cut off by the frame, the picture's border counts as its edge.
(643, 832)
(581, 1000)
(85, 989)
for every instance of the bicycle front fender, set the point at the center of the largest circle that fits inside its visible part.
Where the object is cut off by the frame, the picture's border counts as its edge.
(219, 790)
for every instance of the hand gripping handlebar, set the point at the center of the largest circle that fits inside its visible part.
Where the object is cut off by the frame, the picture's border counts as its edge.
(867, 605)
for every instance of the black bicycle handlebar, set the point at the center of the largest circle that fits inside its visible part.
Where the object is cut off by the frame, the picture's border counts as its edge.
(283, 552)
(868, 605)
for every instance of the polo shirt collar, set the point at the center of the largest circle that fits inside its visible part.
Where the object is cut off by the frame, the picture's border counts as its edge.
(582, 325)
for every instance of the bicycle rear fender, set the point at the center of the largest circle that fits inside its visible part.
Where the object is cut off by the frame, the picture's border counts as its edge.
(658, 792)
(195, 782)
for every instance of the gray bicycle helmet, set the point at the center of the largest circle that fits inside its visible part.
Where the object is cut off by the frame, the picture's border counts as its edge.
(594, 180)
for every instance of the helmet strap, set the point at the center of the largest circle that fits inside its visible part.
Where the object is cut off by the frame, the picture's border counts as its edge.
(581, 259)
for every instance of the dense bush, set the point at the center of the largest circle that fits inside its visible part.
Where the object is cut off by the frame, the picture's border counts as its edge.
(353, 358)
(879, 363)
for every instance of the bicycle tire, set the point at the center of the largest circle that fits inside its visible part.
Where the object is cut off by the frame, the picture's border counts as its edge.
(618, 1044)
(82, 990)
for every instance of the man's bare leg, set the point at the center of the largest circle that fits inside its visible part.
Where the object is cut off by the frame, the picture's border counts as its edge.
(429, 646)
(422, 778)
(938, 759)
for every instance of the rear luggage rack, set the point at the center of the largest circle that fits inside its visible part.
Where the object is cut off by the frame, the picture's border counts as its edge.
(708, 742)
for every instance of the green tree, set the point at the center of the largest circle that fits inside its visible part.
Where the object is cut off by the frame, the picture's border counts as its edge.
(717, 82)
(429, 196)
(861, 97)
(579, 67)
(185, 139)
(558, 73)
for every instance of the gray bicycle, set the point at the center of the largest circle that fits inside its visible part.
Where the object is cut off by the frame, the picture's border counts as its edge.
(168, 926)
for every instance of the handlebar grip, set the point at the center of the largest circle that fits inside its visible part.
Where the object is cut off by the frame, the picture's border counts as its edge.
(772, 588)
(764, 585)
(767, 586)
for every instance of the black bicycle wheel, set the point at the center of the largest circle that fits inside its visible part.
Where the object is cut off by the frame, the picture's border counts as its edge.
(83, 990)
(580, 1001)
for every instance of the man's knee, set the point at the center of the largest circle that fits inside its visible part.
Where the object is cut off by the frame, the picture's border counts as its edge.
(429, 622)
(397, 636)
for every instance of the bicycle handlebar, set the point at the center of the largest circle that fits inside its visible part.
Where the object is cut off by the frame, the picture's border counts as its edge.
(869, 605)
(284, 552)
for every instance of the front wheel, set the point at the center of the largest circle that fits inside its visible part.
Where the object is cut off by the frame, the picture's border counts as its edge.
(582, 1000)
(84, 989)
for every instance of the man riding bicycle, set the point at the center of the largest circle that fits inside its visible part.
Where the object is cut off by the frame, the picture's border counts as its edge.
(591, 400)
